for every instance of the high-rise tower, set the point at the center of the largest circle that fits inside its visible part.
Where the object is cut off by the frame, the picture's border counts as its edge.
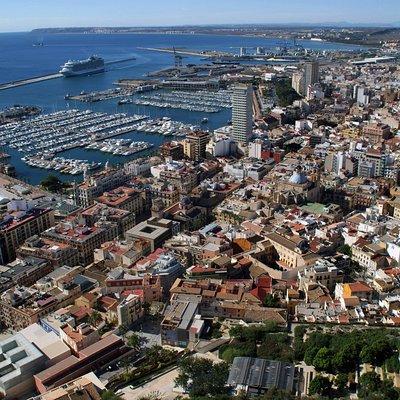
(242, 112)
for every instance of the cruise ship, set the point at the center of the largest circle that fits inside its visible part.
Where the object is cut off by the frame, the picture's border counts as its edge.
(92, 65)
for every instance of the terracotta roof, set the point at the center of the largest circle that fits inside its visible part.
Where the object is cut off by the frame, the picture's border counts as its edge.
(359, 287)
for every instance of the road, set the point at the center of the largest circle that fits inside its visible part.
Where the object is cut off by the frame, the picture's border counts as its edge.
(164, 385)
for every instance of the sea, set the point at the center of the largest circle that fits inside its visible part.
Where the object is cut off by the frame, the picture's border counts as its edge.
(21, 59)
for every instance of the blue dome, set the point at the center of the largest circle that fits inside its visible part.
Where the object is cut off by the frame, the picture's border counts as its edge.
(298, 178)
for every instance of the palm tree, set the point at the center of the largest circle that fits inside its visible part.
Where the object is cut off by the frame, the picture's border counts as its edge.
(95, 318)
(135, 341)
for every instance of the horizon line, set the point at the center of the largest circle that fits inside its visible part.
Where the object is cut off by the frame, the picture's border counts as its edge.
(337, 24)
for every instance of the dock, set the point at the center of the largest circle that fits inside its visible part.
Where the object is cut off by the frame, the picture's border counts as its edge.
(28, 81)
(120, 61)
(179, 51)
(42, 78)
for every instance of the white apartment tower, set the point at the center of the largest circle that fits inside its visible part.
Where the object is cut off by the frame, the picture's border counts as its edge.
(242, 112)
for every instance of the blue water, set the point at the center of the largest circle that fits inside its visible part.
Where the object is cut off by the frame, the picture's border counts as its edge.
(19, 59)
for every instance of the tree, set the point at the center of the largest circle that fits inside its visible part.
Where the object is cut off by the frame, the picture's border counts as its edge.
(157, 353)
(322, 360)
(277, 394)
(320, 385)
(122, 330)
(135, 341)
(345, 360)
(341, 381)
(309, 355)
(345, 249)
(392, 364)
(126, 364)
(52, 184)
(95, 318)
(388, 391)
(276, 347)
(271, 301)
(245, 349)
(285, 93)
(151, 396)
(370, 382)
(372, 387)
(146, 308)
(201, 377)
(377, 352)
(110, 395)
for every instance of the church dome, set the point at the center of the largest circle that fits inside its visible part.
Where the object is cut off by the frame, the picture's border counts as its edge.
(298, 177)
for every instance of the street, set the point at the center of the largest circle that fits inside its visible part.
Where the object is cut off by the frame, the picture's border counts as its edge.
(162, 385)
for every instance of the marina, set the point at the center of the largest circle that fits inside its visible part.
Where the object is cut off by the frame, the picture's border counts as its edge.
(166, 127)
(61, 164)
(42, 137)
(123, 147)
(56, 132)
(201, 101)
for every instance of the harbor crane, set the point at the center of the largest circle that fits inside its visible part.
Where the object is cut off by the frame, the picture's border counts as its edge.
(178, 59)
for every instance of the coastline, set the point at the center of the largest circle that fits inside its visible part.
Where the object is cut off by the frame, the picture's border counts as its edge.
(260, 36)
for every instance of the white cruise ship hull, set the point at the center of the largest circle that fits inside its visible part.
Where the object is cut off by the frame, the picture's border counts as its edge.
(68, 73)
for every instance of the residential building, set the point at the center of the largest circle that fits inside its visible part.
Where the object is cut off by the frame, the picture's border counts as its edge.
(124, 253)
(255, 149)
(57, 253)
(173, 150)
(293, 250)
(298, 83)
(80, 337)
(324, 272)
(375, 133)
(129, 310)
(194, 146)
(82, 237)
(139, 167)
(370, 256)
(178, 318)
(103, 215)
(82, 388)
(22, 306)
(124, 198)
(311, 73)
(118, 281)
(20, 222)
(24, 272)
(95, 185)
(229, 299)
(242, 112)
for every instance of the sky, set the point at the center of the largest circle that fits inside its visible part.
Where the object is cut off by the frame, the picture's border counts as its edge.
(23, 15)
